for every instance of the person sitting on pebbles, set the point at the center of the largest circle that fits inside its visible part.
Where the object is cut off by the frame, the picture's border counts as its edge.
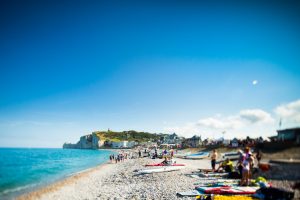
(165, 162)
(226, 166)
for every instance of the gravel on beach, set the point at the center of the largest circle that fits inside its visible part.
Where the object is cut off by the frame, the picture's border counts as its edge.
(120, 181)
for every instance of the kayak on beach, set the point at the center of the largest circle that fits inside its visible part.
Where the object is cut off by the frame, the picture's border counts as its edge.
(191, 193)
(212, 174)
(228, 190)
(216, 181)
(163, 164)
(206, 170)
(161, 169)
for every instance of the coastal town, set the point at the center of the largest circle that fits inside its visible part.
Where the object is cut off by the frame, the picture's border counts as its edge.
(95, 141)
(179, 168)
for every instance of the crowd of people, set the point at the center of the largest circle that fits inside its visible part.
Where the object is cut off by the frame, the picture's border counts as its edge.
(120, 157)
(244, 167)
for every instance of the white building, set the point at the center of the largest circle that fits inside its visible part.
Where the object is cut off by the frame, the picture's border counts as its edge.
(123, 144)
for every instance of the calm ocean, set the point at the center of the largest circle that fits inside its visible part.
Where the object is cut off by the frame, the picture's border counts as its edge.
(25, 169)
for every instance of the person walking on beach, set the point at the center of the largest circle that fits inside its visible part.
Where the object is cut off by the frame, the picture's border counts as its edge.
(140, 153)
(213, 160)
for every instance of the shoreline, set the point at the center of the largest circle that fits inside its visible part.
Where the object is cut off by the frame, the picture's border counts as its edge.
(110, 180)
(36, 194)
(119, 181)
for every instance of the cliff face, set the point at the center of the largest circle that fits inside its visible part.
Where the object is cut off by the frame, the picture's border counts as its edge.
(90, 141)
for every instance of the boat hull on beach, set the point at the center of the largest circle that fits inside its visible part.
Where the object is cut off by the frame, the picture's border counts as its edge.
(199, 155)
(230, 155)
(182, 155)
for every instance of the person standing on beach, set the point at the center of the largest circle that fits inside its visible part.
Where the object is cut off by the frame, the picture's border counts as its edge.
(239, 164)
(172, 153)
(247, 165)
(214, 159)
(258, 156)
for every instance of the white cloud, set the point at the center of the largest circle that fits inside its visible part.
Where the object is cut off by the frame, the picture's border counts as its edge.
(248, 122)
(231, 122)
(253, 123)
(256, 116)
(289, 112)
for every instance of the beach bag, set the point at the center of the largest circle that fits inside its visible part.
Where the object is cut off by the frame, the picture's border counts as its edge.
(275, 193)
(264, 166)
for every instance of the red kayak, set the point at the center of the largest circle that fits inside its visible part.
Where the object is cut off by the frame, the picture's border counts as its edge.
(162, 164)
(228, 190)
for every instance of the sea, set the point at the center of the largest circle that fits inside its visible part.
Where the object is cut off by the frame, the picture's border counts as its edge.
(26, 169)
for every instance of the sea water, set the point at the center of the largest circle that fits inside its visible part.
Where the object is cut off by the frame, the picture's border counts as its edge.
(25, 169)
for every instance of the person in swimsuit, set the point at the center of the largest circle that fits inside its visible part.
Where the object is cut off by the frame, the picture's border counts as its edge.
(213, 160)
(247, 166)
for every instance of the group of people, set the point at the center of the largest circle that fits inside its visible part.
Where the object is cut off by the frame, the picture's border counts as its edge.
(118, 158)
(168, 154)
(244, 166)
(165, 153)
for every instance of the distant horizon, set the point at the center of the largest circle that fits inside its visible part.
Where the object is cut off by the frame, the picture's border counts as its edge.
(190, 67)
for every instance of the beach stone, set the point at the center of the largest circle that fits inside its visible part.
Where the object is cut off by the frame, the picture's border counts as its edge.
(119, 181)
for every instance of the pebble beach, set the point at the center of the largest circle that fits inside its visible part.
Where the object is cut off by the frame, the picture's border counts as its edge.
(120, 181)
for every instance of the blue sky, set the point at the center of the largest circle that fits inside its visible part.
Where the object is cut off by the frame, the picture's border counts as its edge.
(70, 67)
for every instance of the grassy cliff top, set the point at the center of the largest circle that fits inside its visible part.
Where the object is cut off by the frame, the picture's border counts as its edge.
(127, 135)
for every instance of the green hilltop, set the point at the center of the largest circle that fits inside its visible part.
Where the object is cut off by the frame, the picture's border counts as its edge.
(127, 135)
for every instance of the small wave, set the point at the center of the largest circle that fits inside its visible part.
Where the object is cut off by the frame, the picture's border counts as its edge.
(76, 173)
(17, 189)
